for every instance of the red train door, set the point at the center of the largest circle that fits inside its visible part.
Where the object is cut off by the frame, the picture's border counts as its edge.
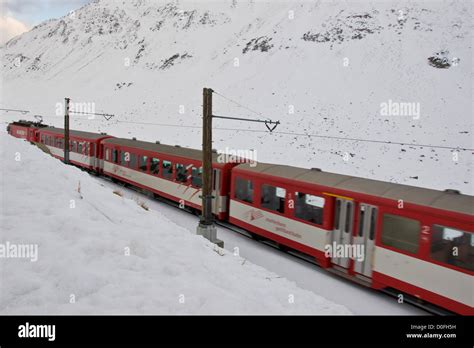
(31, 135)
(365, 239)
(342, 233)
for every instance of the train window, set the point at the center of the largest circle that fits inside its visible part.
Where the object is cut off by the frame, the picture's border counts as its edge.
(273, 198)
(167, 170)
(348, 222)
(124, 158)
(244, 190)
(42, 138)
(74, 146)
(453, 247)
(107, 154)
(309, 207)
(337, 214)
(47, 140)
(155, 166)
(133, 161)
(401, 233)
(79, 147)
(115, 156)
(142, 164)
(92, 149)
(361, 221)
(373, 220)
(181, 173)
(86, 151)
(196, 177)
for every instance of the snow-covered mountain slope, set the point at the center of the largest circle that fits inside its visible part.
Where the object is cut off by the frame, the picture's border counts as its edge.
(98, 252)
(320, 67)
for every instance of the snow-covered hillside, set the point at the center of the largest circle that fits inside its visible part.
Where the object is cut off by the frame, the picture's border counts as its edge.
(320, 67)
(98, 252)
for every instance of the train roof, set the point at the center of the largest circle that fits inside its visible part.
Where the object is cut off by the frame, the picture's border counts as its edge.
(74, 133)
(30, 124)
(446, 200)
(161, 148)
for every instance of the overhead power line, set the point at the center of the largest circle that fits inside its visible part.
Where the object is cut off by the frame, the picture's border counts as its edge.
(384, 142)
(15, 110)
(239, 104)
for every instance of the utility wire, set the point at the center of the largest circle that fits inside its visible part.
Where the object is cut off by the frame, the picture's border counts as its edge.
(239, 104)
(458, 148)
(15, 110)
(106, 116)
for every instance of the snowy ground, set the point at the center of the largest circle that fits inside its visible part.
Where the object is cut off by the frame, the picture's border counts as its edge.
(84, 239)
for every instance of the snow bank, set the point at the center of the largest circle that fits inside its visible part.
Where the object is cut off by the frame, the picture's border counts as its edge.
(83, 240)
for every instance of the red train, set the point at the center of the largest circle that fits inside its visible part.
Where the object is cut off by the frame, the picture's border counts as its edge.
(387, 236)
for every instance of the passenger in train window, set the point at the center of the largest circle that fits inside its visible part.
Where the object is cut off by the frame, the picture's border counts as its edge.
(155, 166)
(143, 163)
(244, 190)
(167, 170)
(181, 173)
(196, 177)
(273, 198)
(309, 207)
(453, 247)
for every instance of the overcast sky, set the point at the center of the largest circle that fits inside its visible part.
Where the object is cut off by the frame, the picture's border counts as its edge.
(18, 16)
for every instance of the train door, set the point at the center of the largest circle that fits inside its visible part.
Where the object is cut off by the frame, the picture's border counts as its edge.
(343, 226)
(216, 190)
(365, 239)
(99, 154)
(31, 135)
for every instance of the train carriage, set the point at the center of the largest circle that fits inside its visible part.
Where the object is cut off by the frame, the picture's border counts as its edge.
(411, 240)
(27, 130)
(85, 148)
(414, 240)
(172, 172)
